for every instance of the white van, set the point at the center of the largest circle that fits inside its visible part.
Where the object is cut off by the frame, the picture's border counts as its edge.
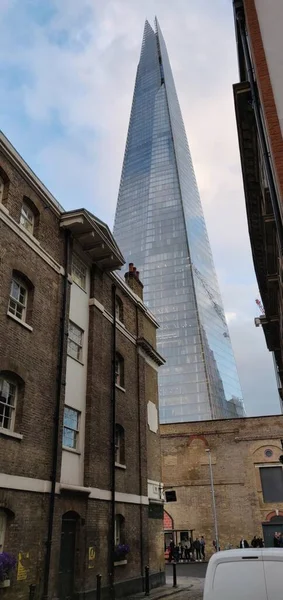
(250, 574)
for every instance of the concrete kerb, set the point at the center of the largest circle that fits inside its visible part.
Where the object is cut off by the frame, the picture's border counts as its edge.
(165, 591)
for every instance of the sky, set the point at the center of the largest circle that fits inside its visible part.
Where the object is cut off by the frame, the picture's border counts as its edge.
(67, 71)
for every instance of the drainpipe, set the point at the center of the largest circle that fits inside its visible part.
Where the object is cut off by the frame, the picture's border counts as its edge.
(60, 383)
(260, 128)
(113, 443)
(139, 442)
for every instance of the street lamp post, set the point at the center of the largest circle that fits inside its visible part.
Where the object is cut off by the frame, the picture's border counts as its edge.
(213, 500)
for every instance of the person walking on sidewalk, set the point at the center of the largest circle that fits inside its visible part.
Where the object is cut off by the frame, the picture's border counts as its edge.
(197, 548)
(202, 547)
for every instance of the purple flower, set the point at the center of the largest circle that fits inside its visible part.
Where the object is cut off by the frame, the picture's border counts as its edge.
(122, 549)
(7, 564)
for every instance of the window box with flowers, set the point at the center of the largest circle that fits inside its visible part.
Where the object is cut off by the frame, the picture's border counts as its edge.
(7, 566)
(121, 552)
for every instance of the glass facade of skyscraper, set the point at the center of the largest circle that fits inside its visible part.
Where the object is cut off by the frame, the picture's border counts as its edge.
(159, 225)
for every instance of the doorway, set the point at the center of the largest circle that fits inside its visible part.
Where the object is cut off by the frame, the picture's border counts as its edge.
(67, 555)
(269, 529)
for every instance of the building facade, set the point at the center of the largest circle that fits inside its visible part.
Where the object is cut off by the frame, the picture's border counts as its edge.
(259, 113)
(247, 474)
(160, 225)
(80, 471)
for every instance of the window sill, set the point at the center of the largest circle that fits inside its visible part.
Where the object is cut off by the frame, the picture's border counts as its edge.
(30, 235)
(23, 323)
(119, 387)
(12, 434)
(120, 466)
(72, 450)
(76, 359)
(120, 563)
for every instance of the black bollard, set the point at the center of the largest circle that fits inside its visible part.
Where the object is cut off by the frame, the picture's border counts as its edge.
(174, 574)
(146, 570)
(98, 587)
(32, 589)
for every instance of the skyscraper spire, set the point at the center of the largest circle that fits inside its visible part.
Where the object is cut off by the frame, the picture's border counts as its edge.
(159, 225)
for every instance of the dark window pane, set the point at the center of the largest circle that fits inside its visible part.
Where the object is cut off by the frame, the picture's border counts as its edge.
(272, 484)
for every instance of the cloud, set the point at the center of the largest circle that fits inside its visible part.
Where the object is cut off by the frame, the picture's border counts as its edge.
(230, 316)
(67, 73)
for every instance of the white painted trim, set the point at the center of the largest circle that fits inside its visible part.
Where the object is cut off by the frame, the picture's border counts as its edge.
(269, 464)
(120, 563)
(72, 450)
(119, 466)
(11, 434)
(24, 484)
(74, 488)
(154, 482)
(119, 387)
(29, 240)
(131, 498)
(42, 486)
(23, 323)
(148, 360)
(120, 326)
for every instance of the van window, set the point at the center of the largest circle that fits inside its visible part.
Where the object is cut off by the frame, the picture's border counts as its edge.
(243, 580)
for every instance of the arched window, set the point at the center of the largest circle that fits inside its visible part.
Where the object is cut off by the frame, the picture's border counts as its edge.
(8, 401)
(27, 218)
(119, 444)
(119, 530)
(119, 310)
(21, 297)
(119, 370)
(1, 188)
(3, 525)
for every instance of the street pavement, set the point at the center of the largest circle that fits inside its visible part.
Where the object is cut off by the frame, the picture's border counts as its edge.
(190, 583)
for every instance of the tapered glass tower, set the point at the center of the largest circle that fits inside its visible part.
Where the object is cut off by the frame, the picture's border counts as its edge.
(159, 225)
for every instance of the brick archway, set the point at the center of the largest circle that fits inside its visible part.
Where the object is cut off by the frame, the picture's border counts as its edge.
(198, 437)
(273, 514)
(168, 522)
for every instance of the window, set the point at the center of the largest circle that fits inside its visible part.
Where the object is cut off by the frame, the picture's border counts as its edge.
(8, 398)
(119, 530)
(71, 428)
(27, 218)
(119, 370)
(272, 483)
(3, 523)
(1, 189)
(268, 453)
(18, 299)
(119, 310)
(119, 445)
(78, 272)
(75, 341)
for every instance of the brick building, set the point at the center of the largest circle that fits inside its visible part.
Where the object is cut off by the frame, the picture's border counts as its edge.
(259, 114)
(80, 467)
(248, 478)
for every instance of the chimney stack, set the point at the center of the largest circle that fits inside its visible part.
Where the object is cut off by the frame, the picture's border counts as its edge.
(132, 278)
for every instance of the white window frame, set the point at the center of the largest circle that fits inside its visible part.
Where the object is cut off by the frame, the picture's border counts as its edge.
(79, 272)
(1, 189)
(76, 429)
(118, 363)
(16, 306)
(3, 527)
(118, 530)
(11, 407)
(119, 309)
(27, 218)
(119, 439)
(75, 341)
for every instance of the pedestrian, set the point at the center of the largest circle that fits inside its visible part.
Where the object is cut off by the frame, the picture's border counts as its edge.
(244, 543)
(254, 542)
(260, 543)
(276, 539)
(197, 548)
(202, 547)
(171, 550)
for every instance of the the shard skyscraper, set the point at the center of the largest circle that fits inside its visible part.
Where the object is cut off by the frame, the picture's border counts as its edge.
(159, 225)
